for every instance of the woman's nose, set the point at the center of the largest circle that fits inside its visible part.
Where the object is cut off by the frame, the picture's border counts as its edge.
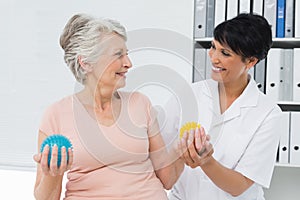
(214, 58)
(126, 62)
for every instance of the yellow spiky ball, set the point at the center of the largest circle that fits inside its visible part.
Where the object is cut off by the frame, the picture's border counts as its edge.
(187, 127)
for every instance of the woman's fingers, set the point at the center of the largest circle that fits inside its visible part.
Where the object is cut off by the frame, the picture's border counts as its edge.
(63, 163)
(37, 157)
(52, 167)
(70, 158)
(53, 161)
(195, 147)
(44, 160)
(200, 139)
(185, 141)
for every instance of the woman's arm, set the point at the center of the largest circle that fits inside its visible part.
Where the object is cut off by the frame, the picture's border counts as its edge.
(167, 164)
(49, 178)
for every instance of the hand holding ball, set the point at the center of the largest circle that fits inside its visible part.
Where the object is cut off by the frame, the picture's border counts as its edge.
(58, 140)
(187, 127)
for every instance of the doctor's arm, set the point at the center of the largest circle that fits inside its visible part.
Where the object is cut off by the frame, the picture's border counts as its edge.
(226, 179)
(256, 164)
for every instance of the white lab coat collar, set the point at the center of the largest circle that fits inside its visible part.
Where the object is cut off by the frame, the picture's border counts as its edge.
(249, 98)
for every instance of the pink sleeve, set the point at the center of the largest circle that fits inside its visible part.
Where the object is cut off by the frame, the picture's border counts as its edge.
(151, 113)
(50, 123)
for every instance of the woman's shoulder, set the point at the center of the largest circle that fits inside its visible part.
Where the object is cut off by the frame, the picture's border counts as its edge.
(60, 104)
(269, 103)
(135, 96)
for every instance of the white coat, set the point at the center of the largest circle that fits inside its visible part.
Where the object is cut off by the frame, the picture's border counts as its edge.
(245, 138)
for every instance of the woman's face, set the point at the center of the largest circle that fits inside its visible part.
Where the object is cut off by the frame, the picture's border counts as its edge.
(227, 66)
(113, 64)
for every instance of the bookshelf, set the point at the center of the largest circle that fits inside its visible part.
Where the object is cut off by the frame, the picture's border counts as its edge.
(285, 181)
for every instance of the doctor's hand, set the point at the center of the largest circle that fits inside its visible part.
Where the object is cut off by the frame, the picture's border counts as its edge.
(196, 150)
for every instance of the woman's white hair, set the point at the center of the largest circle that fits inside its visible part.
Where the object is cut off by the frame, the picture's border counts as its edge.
(81, 38)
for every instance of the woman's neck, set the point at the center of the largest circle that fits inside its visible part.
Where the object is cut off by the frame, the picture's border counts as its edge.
(229, 92)
(99, 98)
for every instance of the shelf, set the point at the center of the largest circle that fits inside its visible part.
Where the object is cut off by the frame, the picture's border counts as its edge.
(289, 106)
(286, 165)
(285, 43)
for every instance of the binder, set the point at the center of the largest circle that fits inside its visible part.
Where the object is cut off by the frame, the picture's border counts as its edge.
(208, 66)
(232, 9)
(280, 19)
(210, 18)
(200, 18)
(297, 18)
(284, 143)
(295, 138)
(199, 64)
(289, 18)
(296, 75)
(286, 76)
(275, 60)
(220, 10)
(244, 6)
(258, 7)
(251, 72)
(260, 74)
(270, 14)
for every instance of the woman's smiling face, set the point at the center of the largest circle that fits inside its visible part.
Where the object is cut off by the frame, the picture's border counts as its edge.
(227, 66)
(113, 64)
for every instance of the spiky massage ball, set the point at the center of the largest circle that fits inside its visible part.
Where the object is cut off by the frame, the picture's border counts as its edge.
(187, 127)
(60, 141)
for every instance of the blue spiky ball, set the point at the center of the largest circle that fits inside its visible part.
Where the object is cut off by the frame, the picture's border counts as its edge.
(60, 141)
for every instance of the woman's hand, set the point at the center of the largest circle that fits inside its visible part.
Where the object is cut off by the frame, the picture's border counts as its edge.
(195, 148)
(52, 169)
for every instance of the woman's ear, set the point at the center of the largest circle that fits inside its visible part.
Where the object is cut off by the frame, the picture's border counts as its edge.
(87, 67)
(251, 62)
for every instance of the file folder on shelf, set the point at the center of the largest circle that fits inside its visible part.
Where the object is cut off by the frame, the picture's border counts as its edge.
(280, 18)
(251, 72)
(208, 66)
(199, 64)
(210, 18)
(232, 9)
(284, 148)
(286, 76)
(200, 18)
(244, 6)
(270, 14)
(295, 139)
(289, 19)
(297, 18)
(260, 74)
(220, 11)
(275, 60)
(258, 7)
(296, 75)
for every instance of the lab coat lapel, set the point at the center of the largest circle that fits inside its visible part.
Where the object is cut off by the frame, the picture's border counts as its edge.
(248, 98)
(211, 91)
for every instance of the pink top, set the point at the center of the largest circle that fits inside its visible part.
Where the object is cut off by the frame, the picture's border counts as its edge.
(109, 162)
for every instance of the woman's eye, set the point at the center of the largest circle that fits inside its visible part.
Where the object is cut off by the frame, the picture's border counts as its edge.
(212, 46)
(119, 54)
(225, 53)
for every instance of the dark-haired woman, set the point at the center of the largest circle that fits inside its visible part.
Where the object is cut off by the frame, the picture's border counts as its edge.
(242, 121)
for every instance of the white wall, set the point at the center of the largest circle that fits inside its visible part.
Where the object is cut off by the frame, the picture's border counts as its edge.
(33, 71)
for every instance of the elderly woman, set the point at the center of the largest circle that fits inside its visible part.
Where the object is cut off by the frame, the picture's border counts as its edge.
(118, 152)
